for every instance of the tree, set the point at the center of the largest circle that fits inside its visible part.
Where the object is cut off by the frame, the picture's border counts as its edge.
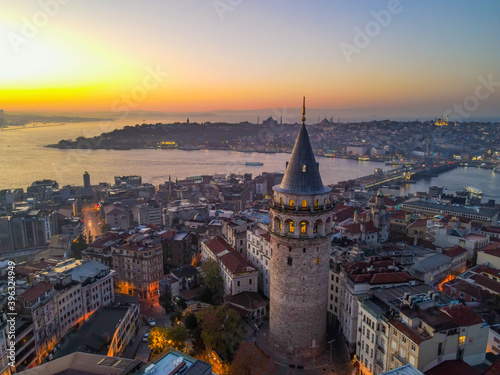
(249, 360)
(220, 327)
(176, 316)
(157, 340)
(190, 321)
(78, 245)
(161, 338)
(177, 336)
(165, 301)
(212, 291)
(181, 304)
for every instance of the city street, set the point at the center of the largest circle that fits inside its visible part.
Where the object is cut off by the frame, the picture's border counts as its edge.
(92, 220)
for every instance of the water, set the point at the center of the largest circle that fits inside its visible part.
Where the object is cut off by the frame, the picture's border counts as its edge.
(457, 179)
(23, 159)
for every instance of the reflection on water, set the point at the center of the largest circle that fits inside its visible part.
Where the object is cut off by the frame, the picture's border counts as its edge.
(457, 179)
(23, 159)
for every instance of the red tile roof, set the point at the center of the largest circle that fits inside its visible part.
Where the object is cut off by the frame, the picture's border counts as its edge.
(408, 332)
(467, 288)
(454, 251)
(37, 290)
(454, 367)
(463, 315)
(231, 259)
(344, 213)
(356, 228)
(487, 283)
(481, 268)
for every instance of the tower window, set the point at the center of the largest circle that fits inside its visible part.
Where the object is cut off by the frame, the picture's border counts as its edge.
(303, 227)
(304, 250)
(291, 226)
(292, 203)
(316, 202)
(316, 261)
(290, 248)
(303, 167)
(290, 261)
(281, 200)
(304, 204)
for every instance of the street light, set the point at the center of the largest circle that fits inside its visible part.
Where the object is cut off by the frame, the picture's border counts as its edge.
(331, 344)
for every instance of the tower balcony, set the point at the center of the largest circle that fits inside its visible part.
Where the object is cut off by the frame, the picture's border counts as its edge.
(299, 209)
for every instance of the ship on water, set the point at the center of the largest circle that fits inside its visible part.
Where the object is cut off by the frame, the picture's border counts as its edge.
(474, 191)
(254, 163)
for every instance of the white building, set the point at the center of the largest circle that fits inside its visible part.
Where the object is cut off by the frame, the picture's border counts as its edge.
(239, 276)
(259, 254)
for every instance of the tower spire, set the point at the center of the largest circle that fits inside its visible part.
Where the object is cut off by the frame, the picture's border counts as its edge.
(304, 110)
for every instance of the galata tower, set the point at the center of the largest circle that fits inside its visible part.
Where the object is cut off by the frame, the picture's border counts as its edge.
(300, 231)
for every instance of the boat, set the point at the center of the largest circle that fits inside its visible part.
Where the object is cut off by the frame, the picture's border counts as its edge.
(364, 158)
(474, 191)
(254, 163)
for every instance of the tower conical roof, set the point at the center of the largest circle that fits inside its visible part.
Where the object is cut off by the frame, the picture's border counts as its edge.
(302, 172)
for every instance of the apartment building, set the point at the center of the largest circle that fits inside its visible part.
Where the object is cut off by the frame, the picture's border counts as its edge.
(138, 264)
(238, 274)
(5, 369)
(235, 232)
(416, 325)
(259, 255)
(39, 304)
(358, 278)
(26, 355)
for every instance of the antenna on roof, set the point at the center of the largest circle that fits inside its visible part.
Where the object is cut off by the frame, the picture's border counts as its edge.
(304, 110)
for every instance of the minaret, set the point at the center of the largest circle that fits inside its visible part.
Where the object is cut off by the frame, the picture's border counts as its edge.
(300, 230)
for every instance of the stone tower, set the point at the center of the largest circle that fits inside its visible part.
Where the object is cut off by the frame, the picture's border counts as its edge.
(300, 230)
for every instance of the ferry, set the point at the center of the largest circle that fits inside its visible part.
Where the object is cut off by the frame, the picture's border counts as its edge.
(474, 191)
(364, 158)
(254, 163)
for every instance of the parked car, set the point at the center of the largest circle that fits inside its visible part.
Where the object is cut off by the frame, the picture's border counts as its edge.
(145, 337)
(151, 322)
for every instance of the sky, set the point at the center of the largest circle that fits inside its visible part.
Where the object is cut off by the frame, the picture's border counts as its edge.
(395, 58)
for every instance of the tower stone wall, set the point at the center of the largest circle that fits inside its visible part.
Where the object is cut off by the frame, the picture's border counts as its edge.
(300, 236)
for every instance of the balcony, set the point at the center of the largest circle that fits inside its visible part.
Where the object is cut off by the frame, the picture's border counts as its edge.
(380, 349)
(400, 359)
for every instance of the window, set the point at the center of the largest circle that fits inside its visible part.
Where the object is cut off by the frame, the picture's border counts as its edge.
(250, 281)
(303, 168)
(290, 261)
(303, 227)
(461, 340)
(316, 203)
(292, 203)
(291, 227)
(304, 204)
(281, 200)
